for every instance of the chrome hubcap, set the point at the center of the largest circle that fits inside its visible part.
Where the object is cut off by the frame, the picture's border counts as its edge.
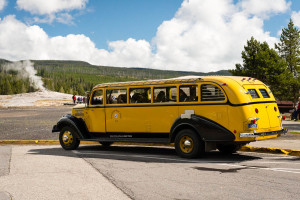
(187, 143)
(66, 138)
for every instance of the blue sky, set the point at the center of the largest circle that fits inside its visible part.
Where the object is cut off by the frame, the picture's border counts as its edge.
(194, 35)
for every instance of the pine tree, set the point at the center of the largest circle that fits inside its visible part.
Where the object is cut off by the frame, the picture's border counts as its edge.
(61, 90)
(23, 88)
(289, 50)
(263, 63)
(289, 47)
(7, 88)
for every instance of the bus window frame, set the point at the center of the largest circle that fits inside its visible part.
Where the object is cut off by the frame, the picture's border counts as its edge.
(91, 98)
(207, 102)
(142, 87)
(189, 102)
(162, 86)
(116, 88)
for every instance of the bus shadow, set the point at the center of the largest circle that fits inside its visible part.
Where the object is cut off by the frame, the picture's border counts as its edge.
(142, 154)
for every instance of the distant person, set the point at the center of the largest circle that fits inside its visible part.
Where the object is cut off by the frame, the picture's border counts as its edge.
(297, 110)
(74, 98)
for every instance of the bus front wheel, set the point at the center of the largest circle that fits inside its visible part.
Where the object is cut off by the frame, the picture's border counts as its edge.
(68, 139)
(188, 144)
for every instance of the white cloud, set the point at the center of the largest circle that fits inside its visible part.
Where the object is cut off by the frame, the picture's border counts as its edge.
(52, 9)
(2, 4)
(64, 18)
(43, 7)
(206, 37)
(296, 18)
(264, 8)
(19, 41)
(200, 37)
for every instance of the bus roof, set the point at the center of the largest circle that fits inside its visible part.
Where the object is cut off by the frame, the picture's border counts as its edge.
(183, 79)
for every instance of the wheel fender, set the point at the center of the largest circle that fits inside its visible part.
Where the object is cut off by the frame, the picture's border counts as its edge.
(78, 124)
(208, 130)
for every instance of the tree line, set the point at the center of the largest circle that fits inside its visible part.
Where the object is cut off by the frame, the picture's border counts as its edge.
(277, 67)
(12, 83)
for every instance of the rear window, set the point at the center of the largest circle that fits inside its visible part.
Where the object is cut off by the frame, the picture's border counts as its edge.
(211, 93)
(264, 93)
(253, 93)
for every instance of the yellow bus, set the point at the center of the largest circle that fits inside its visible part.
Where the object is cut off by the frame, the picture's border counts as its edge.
(197, 114)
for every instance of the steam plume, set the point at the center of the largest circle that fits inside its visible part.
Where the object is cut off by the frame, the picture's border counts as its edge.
(25, 69)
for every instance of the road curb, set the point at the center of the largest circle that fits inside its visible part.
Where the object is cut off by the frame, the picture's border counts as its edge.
(56, 142)
(271, 150)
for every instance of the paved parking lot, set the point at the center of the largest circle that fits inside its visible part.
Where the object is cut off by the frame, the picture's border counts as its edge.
(121, 172)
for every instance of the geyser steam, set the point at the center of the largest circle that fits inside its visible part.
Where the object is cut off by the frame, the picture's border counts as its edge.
(25, 69)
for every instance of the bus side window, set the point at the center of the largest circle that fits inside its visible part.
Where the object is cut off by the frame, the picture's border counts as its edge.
(140, 95)
(97, 97)
(211, 93)
(165, 94)
(188, 93)
(116, 96)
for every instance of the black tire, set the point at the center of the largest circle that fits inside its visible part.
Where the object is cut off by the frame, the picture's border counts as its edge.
(228, 148)
(188, 144)
(106, 144)
(68, 138)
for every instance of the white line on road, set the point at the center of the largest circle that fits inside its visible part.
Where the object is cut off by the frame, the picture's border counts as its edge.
(289, 170)
(223, 163)
(151, 157)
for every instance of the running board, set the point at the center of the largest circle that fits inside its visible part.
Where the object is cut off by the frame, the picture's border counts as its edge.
(137, 140)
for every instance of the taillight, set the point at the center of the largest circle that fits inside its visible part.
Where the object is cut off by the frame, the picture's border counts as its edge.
(256, 110)
(253, 121)
(283, 117)
(275, 108)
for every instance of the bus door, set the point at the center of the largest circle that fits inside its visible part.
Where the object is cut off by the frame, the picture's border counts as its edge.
(95, 113)
(116, 110)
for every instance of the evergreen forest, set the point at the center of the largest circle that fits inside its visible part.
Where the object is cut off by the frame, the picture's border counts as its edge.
(76, 77)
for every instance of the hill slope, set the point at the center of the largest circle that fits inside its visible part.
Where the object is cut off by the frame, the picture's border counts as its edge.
(75, 77)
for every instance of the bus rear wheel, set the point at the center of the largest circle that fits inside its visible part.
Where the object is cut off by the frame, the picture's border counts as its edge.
(68, 138)
(188, 144)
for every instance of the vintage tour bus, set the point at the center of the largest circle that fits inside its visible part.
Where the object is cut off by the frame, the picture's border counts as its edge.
(197, 114)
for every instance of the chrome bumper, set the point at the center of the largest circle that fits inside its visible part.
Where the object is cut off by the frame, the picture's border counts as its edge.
(255, 134)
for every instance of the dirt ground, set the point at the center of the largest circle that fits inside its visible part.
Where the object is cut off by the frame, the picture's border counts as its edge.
(30, 123)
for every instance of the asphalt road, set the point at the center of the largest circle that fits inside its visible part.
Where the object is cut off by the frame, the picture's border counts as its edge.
(157, 173)
(30, 123)
(144, 173)
(292, 125)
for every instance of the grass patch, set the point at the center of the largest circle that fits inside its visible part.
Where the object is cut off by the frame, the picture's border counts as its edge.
(293, 132)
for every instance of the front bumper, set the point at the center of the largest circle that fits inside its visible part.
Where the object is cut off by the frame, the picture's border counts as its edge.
(262, 134)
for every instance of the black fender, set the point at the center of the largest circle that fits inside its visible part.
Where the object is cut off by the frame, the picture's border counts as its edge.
(208, 130)
(76, 123)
